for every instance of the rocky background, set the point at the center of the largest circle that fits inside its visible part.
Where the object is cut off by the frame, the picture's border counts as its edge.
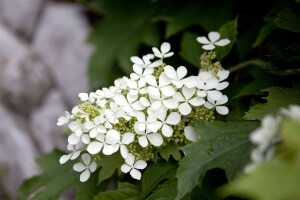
(43, 64)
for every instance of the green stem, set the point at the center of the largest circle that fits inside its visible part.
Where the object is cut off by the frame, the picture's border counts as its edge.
(239, 66)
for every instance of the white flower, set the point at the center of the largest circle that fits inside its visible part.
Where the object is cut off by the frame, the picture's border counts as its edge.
(154, 138)
(222, 75)
(76, 149)
(107, 143)
(142, 124)
(164, 51)
(87, 97)
(75, 139)
(165, 122)
(292, 112)
(187, 99)
(223, 110)
(136, 88)
(77, 127)
(145, 61)
(129, 104)
(121, 84)
(95, 127)
(112, 114)
(64, 119)
(207, 85)
(191, 134)
(140, 74)
(163, 86)
(127, 138)
(212, 40)
(132, 167)
(86, 168)
(175, 75)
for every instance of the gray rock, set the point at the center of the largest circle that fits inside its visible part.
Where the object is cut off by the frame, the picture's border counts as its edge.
(43, 119)
(21, 15)
(60, 41)
(17, 152)
(24, 79)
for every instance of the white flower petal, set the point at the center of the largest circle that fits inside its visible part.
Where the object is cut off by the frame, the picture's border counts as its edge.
(154, 92)
(203, 40)
(184, 108)
(223, 110)
(155, 64)
(127, 138)
(75, 155)
(208, 47)
(169, 54)
(83, 96)
(181, 72)
(112, 136)
(190, 81)
(85, 175)
(140, 164)
(85, 139)
(137, 105)
(173, 118)
(170, 72)
(163, 80)
(73, 139)
(155, 139)
(191, 134)
(94, 147)
(137, 70)
(151, 80)
(62, 120)
(145, 102)
(156, 105)
(223, 100)
(86, 159)
(208, 105)
(168, 91)
(120, 100)
(214, 95)
(108, 149)
(197, 101)
(123, 151)
(156, 51)
(136, 174)
(223, 74)
(211, 83)
(167, 130)
(89, 125)
(165, 47)
(137, 60)
(93, 167)
(79, 167)
(222, 85)
(129, 159)
(213, 36)
(65, 158)
(222, 42)
(188, 92)
(143, 141)
(170, 103)
(125, 168)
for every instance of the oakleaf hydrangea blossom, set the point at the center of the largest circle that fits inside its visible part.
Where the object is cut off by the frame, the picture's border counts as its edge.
(212, 41)
(141, 114)
(267, 136)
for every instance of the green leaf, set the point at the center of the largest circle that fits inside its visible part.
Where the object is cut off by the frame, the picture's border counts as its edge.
(228, 30)
(286, 16)
(190, 49)
(276, 181)
(204, 13)
(57, 178)
(126, 191)
(169, 151)
(154, 174)
(278, 97)
(222, 145)
(109, 164)
(289, 130)
(166, 191)
(117, 36)
(266, 30)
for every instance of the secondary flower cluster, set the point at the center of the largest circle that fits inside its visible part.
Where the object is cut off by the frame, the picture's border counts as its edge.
(140, 114)
(268, 136)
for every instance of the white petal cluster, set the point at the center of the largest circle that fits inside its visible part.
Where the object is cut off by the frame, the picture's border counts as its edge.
(154, 102)
(212, 41)
(267, 136)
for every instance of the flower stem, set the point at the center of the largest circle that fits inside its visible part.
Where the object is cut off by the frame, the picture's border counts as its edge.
(239, 66)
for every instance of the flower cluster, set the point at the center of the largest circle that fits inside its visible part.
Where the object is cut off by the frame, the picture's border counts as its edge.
(267, 136)
(149, 110)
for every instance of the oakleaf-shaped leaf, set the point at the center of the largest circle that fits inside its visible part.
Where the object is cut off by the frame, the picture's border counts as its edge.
(278, 97)
(222, 145)
(109, 164)
(169, 151)
(125, 191)
(166, 191)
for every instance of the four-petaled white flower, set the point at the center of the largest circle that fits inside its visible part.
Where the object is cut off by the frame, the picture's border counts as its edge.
(95, 127)
(164, 51)
(145, 61)
(165, 122)
(176, 75)
(207, 85)
(132, 166)
(154, 138)
(188, 99)
(87, 167)
(223, 110)
(212, 41)
(62, 120)
(130, 104)
(136, 88)
(127, 138)
(141, 74)
(76, 150)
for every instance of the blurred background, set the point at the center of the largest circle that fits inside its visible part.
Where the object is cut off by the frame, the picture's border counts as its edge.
(43, 62)
(50, 50)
